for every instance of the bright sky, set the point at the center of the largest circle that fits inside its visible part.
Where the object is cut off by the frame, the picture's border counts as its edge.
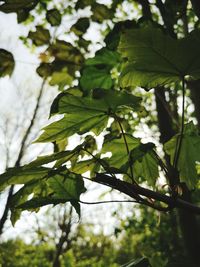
(18, 96)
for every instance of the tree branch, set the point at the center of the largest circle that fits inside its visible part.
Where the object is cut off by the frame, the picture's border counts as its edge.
(133, 190)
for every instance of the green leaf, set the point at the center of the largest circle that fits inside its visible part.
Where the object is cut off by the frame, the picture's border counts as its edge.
(59, 188)
(40, 37)
(91, 165)
(83, 114)
(113, 37)
(9, 6)
(81, 26)
(65, 52)
(74, 123)
(118, 149)
(54, 17)
(189, 154)
(39, 202)
(44, 70)
(83, 3)
(7, 63)
(21, 175)
(75, 204)
(68, 187)
(146, 168)
(22, 15)
(61, 78)
(41, 160)
(93, 77)
(116, 100)
(104, 57)
(101, 12)
(154, 58)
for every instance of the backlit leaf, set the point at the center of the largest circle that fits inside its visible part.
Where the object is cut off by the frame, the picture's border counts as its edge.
(93, 77)
(189, 154)
(119, 151)
(83, 114)
(154, 58)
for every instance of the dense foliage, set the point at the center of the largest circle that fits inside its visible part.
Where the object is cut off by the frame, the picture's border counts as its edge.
(144, 68)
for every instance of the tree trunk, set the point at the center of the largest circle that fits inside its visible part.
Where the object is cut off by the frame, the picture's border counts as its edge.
(187, 220)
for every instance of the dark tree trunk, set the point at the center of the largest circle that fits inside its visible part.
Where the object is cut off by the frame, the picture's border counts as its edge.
(187, 220)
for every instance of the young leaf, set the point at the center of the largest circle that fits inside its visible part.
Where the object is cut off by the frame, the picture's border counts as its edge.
(21, 176)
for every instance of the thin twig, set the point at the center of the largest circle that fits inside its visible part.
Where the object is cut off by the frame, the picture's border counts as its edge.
(107, 201)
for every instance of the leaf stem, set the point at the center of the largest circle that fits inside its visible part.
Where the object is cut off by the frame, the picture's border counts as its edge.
(100, 161)
(127, 148)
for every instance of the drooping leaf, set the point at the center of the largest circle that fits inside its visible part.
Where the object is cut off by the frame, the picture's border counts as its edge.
(40, 37)
(59, 187)
(21, 175)
(7, 63)
(189, 154)
(154, 58)
(54, 17)
(68, 187)
(22, 195)
(93, 77)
